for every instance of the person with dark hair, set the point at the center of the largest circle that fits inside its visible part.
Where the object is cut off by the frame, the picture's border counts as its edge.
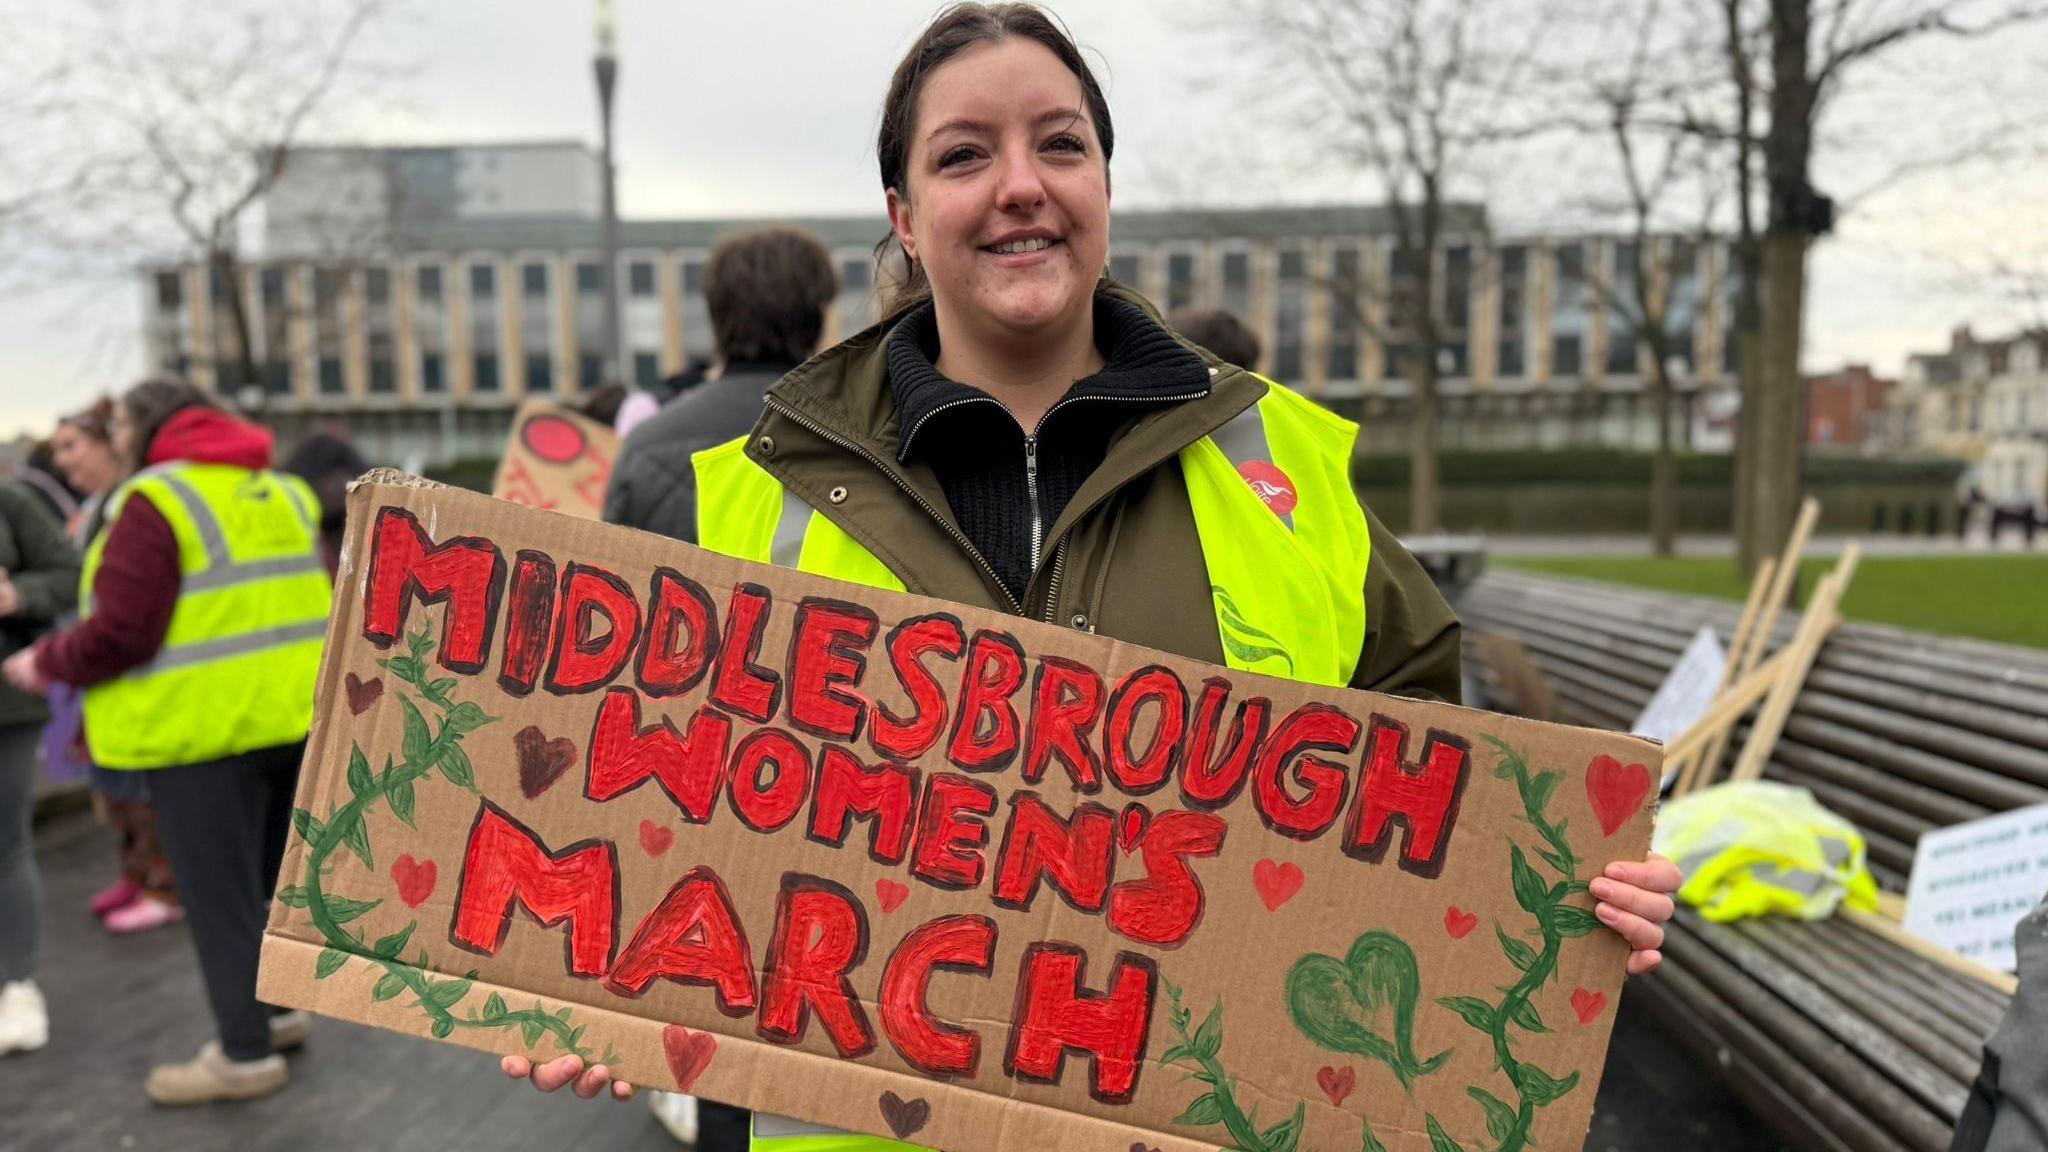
(767, 292)
(205, 609)
(329, 462)
(39, 474)
(1219, 331)
(1023, 436)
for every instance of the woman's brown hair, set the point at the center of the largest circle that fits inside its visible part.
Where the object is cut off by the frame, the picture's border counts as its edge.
(957, 29)
(151, 404)
(95, 420)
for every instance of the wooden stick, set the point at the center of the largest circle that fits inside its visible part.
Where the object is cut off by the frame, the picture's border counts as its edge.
(1783, 581)
(1813, 629)
(1726, 710)
(1682, 765)
(1891, 906)
(1878, 925)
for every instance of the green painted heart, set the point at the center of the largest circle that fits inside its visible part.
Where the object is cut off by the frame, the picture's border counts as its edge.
(1345, 1005)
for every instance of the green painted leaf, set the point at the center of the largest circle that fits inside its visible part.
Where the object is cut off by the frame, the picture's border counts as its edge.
(575, 1036)
(1525, 1016)
(494, 1008)
(1551, 858)
(1439, 1140)
(1540, 1088)
(390, 946)
(1204, 1111)
(448, 993)
(1519, 954)
(443, 1026)
(400, 794)
(1530, 891)
(1209, 1037)
(330, 962)
(416, 737)
(1540, 789)
(359, 781)
(454, 764)
(343, 910)
(1477, 1013)
(391, 985)
(308, 828)
(1176, 1054)
(1372, 1142)
(1282, 1137)
(293, 896)
(355, 833)
(1500, 1119)
(467, 717)
(532, 1030)
(1572, 921)
(439, 687)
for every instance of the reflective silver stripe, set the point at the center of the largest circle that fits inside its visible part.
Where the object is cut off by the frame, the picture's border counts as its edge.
(187, 655)
(203, 519)
(298, 500)
(788, 546)
(228, 575)
(1243, 440)
(1799, 880)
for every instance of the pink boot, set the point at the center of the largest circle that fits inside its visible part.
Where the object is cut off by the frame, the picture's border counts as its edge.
(145, 913)
(119, 894)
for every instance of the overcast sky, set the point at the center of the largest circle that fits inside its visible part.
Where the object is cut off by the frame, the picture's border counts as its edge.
(770, 107)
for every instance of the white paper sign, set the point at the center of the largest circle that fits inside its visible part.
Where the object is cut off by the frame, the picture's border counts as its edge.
(1973, 882)
(1687, 691)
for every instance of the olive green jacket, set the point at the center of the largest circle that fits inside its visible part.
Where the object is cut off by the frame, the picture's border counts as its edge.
(1123, 559)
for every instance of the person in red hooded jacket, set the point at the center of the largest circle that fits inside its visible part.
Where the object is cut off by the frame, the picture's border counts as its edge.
(204, 604)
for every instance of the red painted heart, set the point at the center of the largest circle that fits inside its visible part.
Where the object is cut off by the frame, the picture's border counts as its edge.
(1141, 1146)
(415, 879)
(1460, 923)
(1617, 790)
(905, 1116)
(362, 693)
(541, 760)
(688, 1053)
(891, 894)
(655, 838)
(1276, 882)
(1588, 1004)
(1336, 1083)
(1130, 825)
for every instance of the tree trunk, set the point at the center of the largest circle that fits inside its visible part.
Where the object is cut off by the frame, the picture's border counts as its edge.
(1748, 336)
(1663, 470)
(1424, 503)
(1778, 430)
(230, 375)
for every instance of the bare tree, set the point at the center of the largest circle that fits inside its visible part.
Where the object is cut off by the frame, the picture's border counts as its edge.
(1414, 95)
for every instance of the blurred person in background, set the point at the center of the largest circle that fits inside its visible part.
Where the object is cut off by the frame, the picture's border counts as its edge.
(38, 584)
(40, 474)
(1220, 332)
(205, 601)
(143, 895)
(328, 461)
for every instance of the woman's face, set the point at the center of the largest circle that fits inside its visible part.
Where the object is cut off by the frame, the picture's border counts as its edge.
(1008, 206)
(125, 447)
(88, 464)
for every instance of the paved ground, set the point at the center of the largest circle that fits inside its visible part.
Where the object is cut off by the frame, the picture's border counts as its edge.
(121, 1005)
(1873, 545)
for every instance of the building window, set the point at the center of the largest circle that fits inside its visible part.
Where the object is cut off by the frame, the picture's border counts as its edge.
(483, 281)
(1404, 297)
(486, 368)
(1237, 284)
(1731, 296)
(217, 284)
(640, 278)
(1344, 303)
(589, 278)
(270, 285)
(1564, 354)
(1574, 313)
(433, 378)
(540, 374)
(696, 313)
(277, 378)
(1180, 280)
(646, 369)
(1622, 311)
(1125, 268)
(170, 291)
(533, 281)
(1452, 358)
(383, 373)
(1291, 315)
(377, 286)
(590, 371)
(330, 376)
(1514, 303)
(428, 280)
(1682, 304)
(326, 286)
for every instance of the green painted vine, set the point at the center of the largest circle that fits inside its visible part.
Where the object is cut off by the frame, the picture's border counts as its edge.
(425, 749)
(1199, 1055)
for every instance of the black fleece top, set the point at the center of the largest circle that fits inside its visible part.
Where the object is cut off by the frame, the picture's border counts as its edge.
(979, 453)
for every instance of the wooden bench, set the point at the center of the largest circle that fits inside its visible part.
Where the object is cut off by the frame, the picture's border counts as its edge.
(1837, 1034)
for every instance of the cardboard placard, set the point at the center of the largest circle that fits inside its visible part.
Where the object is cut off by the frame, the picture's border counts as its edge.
(1972, 883)
(557, 459)
(890, 864)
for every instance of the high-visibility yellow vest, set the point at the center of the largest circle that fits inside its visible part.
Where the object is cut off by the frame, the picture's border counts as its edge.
(238, 662)
(1761, 848)
(1282, 532)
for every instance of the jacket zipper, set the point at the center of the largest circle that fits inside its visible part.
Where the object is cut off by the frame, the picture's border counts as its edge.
(1031, 494)
(882, 466)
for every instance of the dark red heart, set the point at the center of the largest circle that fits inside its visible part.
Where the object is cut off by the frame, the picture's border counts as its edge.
(1616, 790)
(362, 693)
(1336, 1083)
(1276, 882)
(890, 893)
(1459, 923)
(541, 760)
(688, 1053)
(905, 1116)
(1130, 826)
(415, 879)
(1588, 1004)
(1141, 1146)
(656, 838)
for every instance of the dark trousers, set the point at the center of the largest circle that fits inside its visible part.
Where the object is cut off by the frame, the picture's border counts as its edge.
(223, 824)
(20, 893)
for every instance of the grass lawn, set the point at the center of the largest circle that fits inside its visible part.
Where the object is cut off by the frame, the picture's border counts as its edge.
(1996, 597)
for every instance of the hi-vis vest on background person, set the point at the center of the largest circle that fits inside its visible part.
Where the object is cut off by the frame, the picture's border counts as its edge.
(1282, 534)
(237, 667)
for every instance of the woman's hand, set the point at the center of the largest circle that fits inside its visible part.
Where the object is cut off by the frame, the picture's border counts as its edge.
(1635, 900)
(550, 1077)
(21, 672)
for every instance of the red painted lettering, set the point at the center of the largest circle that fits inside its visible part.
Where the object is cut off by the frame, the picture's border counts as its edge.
(1309, 728)
(1055, 1014)
(506, 863)
(740, 685)
(1037, 843)
(951, 834)
(681, 636)
(827, 655)
(1422, 797)
(1165, 906)
(985, 731)
(688, 767)
(821, 934)
(1156, 684)
(883, 794)
(898, 738)
(1213, 783)
(771, 776)
(586, 658)
(529, 623)
(466, 573)
(927, 1043)
(691, 937)
(1067, 699)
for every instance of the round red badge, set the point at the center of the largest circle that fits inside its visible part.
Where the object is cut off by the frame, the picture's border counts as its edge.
(1271, 484)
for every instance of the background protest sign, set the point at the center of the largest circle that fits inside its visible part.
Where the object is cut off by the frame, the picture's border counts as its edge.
(1972, 883)
(890, 864)
(556, 459)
